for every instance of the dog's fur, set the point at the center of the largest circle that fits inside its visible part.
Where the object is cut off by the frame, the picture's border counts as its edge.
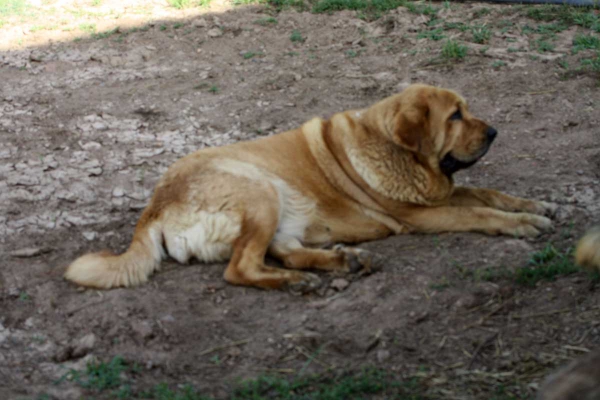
(362, 175)
(588, 250)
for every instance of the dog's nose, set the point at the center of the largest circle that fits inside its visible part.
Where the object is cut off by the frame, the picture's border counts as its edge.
(491, 133)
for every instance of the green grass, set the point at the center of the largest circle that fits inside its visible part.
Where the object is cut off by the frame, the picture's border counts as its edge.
(498, 64)
(296, 37)
(567, 15)
(593, 64)
(181, 4)
(432, 34)
(114, 380)
(100, 376)
(544, 46)
(214, 89)
(584, 42)
(87, 27)
(10, 8)
(481, 34)
(422, 8)
(251, 54)
(547, 264)
(370, 9)
(266, 21)
(453, 50)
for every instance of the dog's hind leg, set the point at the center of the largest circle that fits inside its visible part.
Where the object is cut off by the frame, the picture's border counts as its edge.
(247, 267)
(344, 259)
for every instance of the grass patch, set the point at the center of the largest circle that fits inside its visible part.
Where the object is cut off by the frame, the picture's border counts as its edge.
(547, 264)
(112, 380)
(567, 15)
(371, 9)
(498, 64)
(481, 34)
(544, 46)
(181, 4)
(453, 50)
(593, 64)
(11, 8)
(251, 54)
(296, 37)
(266, 21)
(87, 27)
(433, 34)
(422, 8)
(584, 42)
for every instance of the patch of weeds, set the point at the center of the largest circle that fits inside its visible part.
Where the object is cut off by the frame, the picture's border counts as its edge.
(106, 34)
(100, 376)
(481, 12)
(584, 42)
(88, 27)
(292, 53)
(515, 50)
(162, 28)
(484, 49)
(214, 89)
(162, 392)
(547, 264)
(550, 29)
(177, 25)
(362, 385)
(481, 34)
(422, 8)
(457, 25)
(181, 4)
(36, 28)
(493, 274)
(544, 46)
(23, 296)
(296, 37)
(247, 2)
(370, 9)
(352, 53)
(279, 5)
(564, 64)
(453, 50)
(433, 34)
(250, 54)
(567, 15)
(96, 3)
(593, 64)
(498, 64)
(10, 8)
(266, 21)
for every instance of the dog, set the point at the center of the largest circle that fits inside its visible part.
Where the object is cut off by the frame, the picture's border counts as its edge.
(361, 175)
(587, 253)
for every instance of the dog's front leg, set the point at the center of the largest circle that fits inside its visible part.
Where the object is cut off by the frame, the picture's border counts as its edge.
(474, 197)
(477, 219)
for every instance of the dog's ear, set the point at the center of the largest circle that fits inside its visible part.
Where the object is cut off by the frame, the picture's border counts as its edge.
(411, 128)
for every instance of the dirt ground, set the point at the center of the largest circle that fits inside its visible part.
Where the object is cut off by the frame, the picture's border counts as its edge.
(89, 121)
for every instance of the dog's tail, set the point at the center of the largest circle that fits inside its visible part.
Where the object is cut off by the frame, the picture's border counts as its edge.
(105, 270)
(588, 250)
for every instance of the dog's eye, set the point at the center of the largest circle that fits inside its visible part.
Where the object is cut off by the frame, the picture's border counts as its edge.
(456, 115)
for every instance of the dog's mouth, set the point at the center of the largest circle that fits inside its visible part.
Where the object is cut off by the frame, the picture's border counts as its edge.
(450, 164)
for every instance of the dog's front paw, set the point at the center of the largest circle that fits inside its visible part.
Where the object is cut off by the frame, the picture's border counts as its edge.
(304, 282)
(359, 261)
(544, 208)
(529, 225)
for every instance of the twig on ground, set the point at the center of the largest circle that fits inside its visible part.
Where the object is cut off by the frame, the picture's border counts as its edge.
(224, 346)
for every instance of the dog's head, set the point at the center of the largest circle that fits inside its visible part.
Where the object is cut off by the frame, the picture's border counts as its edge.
(436, 124)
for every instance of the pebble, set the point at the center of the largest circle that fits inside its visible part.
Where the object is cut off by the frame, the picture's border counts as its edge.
(84, 345)
(339, 284)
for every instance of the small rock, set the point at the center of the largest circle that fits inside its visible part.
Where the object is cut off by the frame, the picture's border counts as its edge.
(199, 23)
(90, 235)
(84, 345)
(28, 252)
(339, 284)
(215, 32)
(383, 355)
(143, 329)
(118, 192)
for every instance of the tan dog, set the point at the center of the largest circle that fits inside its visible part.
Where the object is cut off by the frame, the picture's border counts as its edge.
(588, 250)
(362, 175)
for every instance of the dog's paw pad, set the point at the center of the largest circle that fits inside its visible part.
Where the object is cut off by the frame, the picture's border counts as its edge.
(308, 283)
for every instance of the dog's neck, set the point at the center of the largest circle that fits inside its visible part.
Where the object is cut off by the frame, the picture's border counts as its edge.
(387, 172)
